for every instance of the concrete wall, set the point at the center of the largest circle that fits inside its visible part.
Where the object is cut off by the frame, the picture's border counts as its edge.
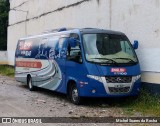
(138, 19)
(3, 57)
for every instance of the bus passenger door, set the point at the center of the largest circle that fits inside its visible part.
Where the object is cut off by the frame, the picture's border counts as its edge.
(75, 69)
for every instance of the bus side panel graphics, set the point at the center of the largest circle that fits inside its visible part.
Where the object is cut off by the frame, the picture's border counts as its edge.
(38, 61)
(52, 79)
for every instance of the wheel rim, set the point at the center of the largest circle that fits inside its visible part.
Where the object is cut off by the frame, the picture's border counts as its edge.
(75, 94)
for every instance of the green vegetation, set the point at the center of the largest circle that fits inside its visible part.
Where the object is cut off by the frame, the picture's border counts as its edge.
(4, 9)
(146, 103)
(7, 70)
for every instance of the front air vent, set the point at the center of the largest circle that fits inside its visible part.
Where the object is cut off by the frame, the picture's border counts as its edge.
(119, 90)
(119, 79)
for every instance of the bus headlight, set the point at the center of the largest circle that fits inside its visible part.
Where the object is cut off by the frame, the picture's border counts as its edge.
(97, 78)
(135, 78)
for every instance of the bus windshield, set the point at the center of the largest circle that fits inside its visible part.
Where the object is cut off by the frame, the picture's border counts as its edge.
(108, 48)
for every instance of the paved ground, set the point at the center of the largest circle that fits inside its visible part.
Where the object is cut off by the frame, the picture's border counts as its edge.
(16, 100)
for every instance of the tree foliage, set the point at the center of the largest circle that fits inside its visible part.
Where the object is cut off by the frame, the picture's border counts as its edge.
(4, 9)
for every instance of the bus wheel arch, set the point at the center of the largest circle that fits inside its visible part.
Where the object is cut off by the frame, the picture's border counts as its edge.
(72, 92)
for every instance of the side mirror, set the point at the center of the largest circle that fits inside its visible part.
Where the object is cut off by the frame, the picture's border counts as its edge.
(72, 42)
(135, 45)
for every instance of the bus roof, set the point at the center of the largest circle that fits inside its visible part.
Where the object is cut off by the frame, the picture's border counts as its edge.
(96, 30)
(73, 30)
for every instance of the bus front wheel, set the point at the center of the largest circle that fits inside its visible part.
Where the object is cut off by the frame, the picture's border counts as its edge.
(74, 95)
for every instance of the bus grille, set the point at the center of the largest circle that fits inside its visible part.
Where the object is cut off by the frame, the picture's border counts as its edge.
(118, 79)
(119, 90)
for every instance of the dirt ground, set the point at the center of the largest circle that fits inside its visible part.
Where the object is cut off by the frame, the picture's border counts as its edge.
(17, 101)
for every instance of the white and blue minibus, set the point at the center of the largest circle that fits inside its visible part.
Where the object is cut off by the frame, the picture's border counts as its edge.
(86, 62)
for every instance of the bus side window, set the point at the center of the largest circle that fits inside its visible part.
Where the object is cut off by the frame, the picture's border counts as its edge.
(74, 53)
(62, 46)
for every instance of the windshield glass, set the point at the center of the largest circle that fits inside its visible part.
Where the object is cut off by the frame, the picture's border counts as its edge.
(104, 48)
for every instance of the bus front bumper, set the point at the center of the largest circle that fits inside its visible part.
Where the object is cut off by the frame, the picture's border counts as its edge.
(97, 89)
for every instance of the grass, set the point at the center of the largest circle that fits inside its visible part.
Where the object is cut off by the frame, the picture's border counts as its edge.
(7, 70)
(146, 103)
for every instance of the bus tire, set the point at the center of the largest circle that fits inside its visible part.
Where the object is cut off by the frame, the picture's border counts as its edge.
(74, 95)
(30, 84)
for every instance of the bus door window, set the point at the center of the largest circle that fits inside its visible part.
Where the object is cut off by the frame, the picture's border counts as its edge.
(74, 53)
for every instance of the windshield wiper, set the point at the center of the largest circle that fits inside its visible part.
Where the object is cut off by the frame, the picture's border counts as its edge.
(126, 59)
(107, 59)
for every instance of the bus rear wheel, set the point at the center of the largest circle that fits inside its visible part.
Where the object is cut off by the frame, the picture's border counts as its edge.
(74, 95)
(30, 84)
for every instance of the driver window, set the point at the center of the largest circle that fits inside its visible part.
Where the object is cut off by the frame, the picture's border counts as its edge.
(126, 47)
